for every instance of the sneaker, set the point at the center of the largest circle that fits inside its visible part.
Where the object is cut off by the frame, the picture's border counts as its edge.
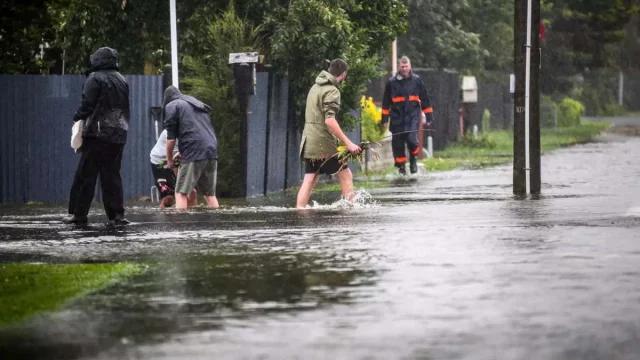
(72, 219)
(120, 220)
(413, 165)
(402, 171)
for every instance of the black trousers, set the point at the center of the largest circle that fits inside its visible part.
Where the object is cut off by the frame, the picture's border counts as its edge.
(104, 159)
(398, 143)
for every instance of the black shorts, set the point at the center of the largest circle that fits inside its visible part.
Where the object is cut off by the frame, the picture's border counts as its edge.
(165, 180)
(323, 166)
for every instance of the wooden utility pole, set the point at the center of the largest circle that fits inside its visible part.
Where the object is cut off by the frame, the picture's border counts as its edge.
(519, 161)
(534, 101)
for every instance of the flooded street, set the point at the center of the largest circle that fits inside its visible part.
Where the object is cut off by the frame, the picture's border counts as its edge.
(450, 266)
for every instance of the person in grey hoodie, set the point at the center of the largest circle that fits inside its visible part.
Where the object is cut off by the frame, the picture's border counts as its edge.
(187, 120)
(105, 111)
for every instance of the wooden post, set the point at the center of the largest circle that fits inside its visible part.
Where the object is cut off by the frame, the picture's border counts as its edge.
(243, 65)
(534, 102)
(519, 161)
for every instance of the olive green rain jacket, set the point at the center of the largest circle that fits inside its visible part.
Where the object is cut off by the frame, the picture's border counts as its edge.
(323, 102)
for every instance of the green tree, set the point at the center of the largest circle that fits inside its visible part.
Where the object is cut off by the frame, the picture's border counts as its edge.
(138, 30)
(25, 31)
(492, 21)
(436, 38)
(304, 35)
(582, 47)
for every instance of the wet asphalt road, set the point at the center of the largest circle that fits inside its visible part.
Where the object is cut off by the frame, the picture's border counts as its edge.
(450, 266)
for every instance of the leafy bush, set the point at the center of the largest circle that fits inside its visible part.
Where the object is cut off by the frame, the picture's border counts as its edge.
(483, 141)
(371, 118)
(612, 110)
(570, 112)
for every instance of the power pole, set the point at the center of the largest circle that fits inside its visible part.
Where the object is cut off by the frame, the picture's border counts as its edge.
(519, 159)
(394, 57)
(534, 101)
(174, 43)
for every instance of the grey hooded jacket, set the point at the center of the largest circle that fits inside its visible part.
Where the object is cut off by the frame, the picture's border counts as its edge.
(105, 100)
(187, 119)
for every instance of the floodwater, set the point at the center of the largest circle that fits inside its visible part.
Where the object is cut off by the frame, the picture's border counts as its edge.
(450, 266)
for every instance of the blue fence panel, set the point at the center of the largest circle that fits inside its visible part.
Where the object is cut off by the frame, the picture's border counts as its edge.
(294, 163)
(277, 146)
(13, 150)
(52, 161)
(145, 93)
(256, 136)
(36, 111)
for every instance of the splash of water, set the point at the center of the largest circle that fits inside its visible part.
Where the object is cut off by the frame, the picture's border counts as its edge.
(361, 200)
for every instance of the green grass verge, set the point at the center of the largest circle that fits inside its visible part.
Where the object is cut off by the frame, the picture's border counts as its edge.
(27, 289)
(469, 162)
(496, 147)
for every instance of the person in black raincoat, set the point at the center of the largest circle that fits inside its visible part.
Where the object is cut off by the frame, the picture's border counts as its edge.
(105, 111)
(404, 102)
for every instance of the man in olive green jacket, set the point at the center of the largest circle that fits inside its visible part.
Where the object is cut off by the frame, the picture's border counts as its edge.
(322, 132)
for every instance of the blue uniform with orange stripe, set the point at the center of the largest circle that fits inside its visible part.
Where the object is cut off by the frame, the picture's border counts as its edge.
(404, 101)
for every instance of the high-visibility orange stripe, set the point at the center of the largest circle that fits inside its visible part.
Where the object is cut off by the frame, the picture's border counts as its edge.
(385, 112)
(416, 151)
(398, 99)
(427, 110)
(401, 159)
(414, 98)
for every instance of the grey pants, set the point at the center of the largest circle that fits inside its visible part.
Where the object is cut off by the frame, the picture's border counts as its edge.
(201, 175)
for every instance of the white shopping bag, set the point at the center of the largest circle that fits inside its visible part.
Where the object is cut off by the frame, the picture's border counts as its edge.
(76, 135)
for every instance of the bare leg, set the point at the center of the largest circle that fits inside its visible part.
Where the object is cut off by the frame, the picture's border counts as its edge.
(308, 183)
(182, 201)
(193, 198)
(346, 183)
(166, 201)
(212, 201)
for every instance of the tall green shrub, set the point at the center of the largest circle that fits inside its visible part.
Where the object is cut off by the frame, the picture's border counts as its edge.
(209, 78)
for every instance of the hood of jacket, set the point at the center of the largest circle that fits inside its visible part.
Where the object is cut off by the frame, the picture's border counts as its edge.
(324, 78)
(104, 58)
(172, 93)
